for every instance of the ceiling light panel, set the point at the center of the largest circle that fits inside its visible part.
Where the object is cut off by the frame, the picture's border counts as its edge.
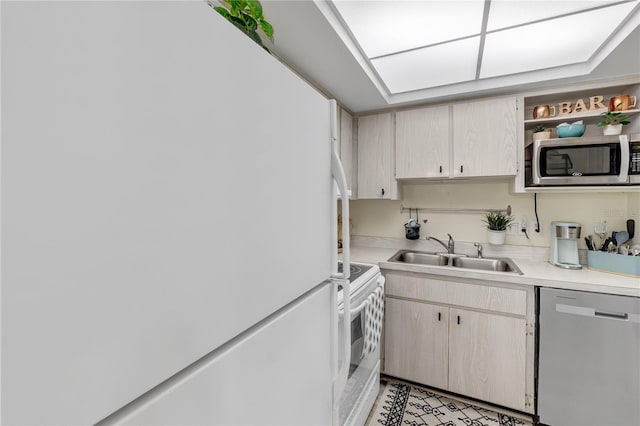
(385, 27)
(429, 67)
(507, 13)
(562, 41)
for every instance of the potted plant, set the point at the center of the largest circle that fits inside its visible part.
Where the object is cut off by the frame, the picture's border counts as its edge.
(540, 132)
(247, 16)
(497, 224)
(612, 122)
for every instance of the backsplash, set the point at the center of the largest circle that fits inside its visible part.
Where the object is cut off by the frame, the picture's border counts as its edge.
(383, 218)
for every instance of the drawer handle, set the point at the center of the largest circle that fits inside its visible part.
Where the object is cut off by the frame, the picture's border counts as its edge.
(440, 169)
(383, 191)
(461, 169)
(439, 316)
(458, 319)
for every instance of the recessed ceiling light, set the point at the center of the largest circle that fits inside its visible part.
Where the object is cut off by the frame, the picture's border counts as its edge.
(409, 48)
(429, 67)
(384, 27)
(562, 41)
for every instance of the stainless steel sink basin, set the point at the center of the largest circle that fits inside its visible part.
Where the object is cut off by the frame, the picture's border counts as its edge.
(502, 264)
(419, 258)
(487, 264)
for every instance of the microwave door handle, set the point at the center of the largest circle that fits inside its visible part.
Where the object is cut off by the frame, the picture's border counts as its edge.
(623, 177)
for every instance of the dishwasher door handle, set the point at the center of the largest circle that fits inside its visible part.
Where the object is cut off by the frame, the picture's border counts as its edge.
(590, 312)
(616, 315)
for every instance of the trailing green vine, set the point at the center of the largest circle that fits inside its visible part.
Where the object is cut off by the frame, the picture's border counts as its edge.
(247, 16)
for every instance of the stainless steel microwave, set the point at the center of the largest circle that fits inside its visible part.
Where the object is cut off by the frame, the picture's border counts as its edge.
(594, 160)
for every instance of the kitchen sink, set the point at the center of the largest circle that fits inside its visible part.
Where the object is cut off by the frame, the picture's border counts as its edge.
(498, 264)
(419, 258)
(487, 264)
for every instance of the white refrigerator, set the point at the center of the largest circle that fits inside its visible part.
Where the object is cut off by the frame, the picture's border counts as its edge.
(168, 222)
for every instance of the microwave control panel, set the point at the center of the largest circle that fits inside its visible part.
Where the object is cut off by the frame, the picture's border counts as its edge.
(634, 158)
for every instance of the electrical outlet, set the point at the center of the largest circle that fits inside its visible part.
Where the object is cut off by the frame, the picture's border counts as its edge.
(513, 228)
(523, 227)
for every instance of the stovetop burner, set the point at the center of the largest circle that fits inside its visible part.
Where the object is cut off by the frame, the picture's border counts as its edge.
(356, 270)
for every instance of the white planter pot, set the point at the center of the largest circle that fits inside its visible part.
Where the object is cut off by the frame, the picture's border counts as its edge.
(612, 129)
(496, 237)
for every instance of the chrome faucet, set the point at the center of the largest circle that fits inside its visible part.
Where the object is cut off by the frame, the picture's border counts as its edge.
(449, 246)
(479, 247)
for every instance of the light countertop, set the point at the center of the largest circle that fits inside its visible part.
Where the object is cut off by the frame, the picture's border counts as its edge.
(536, 271)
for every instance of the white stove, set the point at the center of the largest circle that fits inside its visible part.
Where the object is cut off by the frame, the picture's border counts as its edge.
(367, 308)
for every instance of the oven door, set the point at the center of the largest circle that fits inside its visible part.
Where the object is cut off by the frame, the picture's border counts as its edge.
(364, 366)
(581, 161)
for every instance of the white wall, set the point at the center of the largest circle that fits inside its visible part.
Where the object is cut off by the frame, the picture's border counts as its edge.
(384, 218)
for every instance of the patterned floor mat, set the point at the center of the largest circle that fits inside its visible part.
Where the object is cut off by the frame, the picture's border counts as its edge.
(403, 404)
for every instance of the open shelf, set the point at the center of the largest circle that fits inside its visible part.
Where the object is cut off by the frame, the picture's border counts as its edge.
(589, 117)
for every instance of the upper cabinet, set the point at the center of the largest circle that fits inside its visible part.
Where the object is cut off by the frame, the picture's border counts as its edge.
(484, 138)
(347, 151)
(422, 143)
(376, 157)
(466, 139)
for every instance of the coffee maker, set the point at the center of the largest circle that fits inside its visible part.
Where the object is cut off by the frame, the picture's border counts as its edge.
(564, 245)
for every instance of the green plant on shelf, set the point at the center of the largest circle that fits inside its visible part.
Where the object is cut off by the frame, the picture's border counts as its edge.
(613, 118)
(498, 221)
(539, 128)
(247, 16)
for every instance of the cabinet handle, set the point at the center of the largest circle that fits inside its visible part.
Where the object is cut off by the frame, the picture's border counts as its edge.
(461, 169)
(383, 191)
(439, 316)
(458, 319)
(440, 169)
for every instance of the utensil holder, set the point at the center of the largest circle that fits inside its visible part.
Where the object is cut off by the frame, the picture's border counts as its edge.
(614, 263)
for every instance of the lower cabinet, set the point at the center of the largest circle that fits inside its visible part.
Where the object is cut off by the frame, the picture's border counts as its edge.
(469, 338)
(410, 353)
(487, 357)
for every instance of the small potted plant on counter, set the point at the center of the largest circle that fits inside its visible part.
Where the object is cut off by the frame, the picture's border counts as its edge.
(612, 122)
(540, 132)
(497, 224)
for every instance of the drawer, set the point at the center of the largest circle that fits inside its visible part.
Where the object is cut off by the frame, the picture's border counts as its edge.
(479, 296)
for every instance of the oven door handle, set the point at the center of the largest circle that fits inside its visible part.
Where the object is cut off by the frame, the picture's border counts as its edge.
(623, 177)
(355, 311)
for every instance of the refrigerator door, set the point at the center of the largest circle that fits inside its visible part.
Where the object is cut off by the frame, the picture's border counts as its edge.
(166, 184)
(230, 387)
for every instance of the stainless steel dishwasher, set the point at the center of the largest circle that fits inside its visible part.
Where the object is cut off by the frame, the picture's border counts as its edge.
(589, 359)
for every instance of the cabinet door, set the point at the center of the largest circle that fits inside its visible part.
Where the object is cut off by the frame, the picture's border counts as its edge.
(376, 157)
(422, 143)
(347, 150)
(487, 357)
(484, 138)
(416, 345)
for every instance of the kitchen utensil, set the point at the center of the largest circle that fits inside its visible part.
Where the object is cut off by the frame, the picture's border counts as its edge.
(635, 250)
(611, 248)
(621, 237)
(600, 228)
(587, 241)
(631, 227)
(605, 244)
(613, 237)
